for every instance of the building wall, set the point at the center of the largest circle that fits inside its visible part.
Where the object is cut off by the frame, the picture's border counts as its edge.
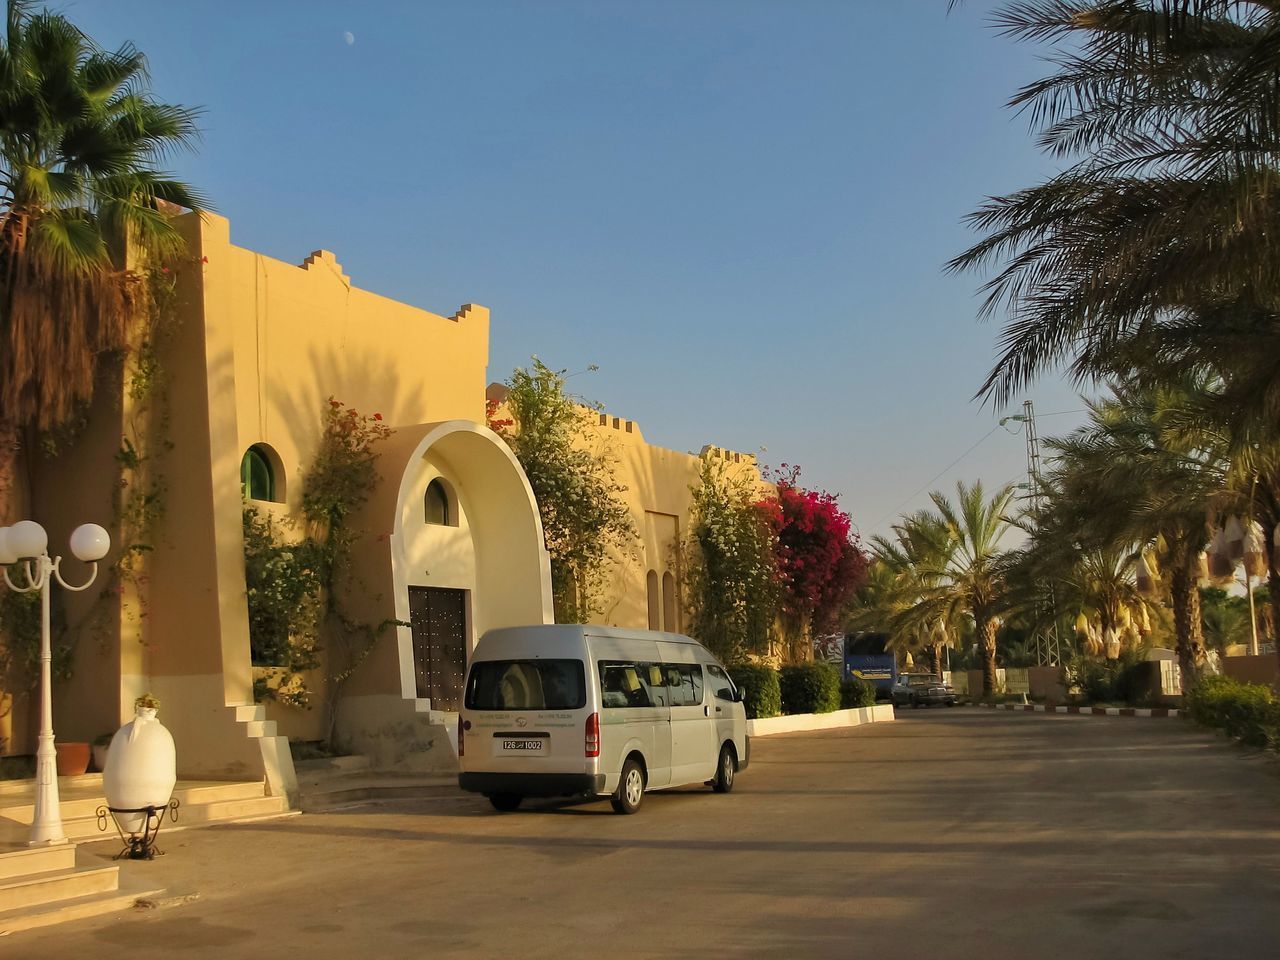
(1252, 669)
(259, 347)
(658, 495)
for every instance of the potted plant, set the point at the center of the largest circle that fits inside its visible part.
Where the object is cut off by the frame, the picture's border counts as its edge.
(73, 757)
(100, 747)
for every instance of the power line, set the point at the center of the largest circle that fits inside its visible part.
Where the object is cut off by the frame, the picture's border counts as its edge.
(929, 482)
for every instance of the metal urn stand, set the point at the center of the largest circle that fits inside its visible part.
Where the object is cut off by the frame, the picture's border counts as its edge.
(139, 846)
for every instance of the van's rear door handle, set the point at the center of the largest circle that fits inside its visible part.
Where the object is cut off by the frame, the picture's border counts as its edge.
(719, 710)
(706, 711)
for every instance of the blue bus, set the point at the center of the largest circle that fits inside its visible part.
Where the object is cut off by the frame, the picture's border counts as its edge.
(867, 658)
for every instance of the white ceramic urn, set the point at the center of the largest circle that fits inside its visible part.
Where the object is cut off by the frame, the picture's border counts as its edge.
(142, 768)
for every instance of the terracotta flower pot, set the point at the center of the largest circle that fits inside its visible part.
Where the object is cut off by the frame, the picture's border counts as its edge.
(73, 758)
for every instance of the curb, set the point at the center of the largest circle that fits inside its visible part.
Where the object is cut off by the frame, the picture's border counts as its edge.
(1086, 711)
(804, 722)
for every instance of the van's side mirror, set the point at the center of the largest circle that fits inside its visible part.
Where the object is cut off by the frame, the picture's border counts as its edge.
(739, 695)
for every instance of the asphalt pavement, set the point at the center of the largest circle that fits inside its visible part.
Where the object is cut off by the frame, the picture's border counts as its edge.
(947, 833)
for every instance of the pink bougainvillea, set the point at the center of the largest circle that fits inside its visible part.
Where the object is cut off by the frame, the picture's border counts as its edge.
(819, 563)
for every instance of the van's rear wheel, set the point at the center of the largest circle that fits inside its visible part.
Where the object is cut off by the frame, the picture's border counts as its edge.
(725, 770)
(626, 799)
(506, 802)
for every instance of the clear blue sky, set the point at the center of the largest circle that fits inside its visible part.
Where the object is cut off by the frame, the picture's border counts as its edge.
(739, 210)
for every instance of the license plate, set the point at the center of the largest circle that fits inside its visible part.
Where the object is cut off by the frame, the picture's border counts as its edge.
(520, 746)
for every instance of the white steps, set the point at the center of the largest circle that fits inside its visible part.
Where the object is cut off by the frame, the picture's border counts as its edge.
(199, 803)
(337, 782)
(40, 886)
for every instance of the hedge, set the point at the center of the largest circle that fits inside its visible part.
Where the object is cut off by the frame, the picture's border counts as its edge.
(1247, 711)
(760, 693)
(857, 692)
(810, 688)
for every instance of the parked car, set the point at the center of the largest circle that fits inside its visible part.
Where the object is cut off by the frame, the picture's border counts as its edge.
(922, 688)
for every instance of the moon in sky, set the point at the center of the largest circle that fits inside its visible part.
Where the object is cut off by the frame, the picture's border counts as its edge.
(349, 37)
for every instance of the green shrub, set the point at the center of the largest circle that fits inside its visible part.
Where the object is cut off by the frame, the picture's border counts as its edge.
(1247, 711)
(810, 688)
(857, 692)
(1109, 681)
(760, 692)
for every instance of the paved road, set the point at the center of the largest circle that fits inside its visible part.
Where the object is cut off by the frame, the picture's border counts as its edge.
(950, 833)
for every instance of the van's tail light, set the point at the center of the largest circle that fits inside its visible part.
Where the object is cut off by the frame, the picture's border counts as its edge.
(593, 735)
(461, 737)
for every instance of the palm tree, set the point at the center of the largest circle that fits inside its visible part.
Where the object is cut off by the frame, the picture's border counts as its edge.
(958, 567)
(1140, 474)
(1169, 115)
(80, 145)
(902, 570)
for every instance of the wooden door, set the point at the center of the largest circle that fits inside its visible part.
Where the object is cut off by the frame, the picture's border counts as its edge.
(438, 620)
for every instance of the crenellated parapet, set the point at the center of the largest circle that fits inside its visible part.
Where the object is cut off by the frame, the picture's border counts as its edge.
(470, 311)
(325, 260)
(729, 456)
(616, 423)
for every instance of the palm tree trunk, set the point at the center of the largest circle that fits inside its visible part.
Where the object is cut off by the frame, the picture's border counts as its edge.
(9, 486)
(1186, 621)
(987, 629)
(935, 658)
(1273, 594)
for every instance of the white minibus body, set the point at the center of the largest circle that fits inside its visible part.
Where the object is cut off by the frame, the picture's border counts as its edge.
(568, 710)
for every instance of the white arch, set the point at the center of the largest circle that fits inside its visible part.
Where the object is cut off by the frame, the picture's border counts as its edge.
(512, 569)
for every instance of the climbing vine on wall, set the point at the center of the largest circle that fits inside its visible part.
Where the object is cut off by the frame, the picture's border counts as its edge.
(585, 524)
(295, 585)
(733, 586)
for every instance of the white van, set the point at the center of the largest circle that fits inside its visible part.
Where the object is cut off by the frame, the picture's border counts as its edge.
(572, 711)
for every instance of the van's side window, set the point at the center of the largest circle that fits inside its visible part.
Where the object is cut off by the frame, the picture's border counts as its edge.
(627, 685)
(684, 681)
(720, 683)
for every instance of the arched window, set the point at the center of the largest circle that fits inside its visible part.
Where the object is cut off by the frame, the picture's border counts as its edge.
(655, 602)
(670, 603)
(258, 475)
(436, 504)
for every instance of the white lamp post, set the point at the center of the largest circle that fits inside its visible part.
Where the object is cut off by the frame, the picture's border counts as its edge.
(27, 543)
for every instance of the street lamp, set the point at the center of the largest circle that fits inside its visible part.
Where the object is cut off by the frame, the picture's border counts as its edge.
(27, 543)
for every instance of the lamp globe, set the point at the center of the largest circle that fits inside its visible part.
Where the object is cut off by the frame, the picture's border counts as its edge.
(26, 538)
(89, 542)
(7, 556)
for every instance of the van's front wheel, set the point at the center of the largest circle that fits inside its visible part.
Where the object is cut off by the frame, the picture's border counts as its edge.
(630, 789)
(725, 770)
(506, 802)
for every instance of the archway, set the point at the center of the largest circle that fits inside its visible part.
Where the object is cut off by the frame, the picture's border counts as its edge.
(490, 557)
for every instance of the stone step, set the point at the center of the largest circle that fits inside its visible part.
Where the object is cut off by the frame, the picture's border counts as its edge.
(20, 863)
(40, 889)
(86, 807)
(330, 794)
(324, 767)
(78, 908)
(87, 830)
(200, 803)
(13, 791)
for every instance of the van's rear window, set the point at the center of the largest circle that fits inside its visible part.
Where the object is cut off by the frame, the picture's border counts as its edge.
(526, 685)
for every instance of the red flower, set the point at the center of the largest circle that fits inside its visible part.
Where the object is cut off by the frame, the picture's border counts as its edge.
(377, 416)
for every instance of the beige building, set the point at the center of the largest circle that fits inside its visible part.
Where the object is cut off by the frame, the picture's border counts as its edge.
(451, 541)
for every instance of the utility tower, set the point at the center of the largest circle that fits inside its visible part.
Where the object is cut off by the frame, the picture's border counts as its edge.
(1048, 646)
